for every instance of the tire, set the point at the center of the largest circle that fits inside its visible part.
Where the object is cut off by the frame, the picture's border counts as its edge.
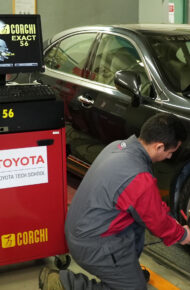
(184, 200)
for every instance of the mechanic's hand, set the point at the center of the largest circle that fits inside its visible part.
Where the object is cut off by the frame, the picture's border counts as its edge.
(187, 239)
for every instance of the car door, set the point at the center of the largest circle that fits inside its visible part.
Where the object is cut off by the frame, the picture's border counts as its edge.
(65, 70)
(113, 114)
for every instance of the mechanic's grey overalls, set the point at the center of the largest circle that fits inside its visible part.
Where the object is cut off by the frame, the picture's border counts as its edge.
(113, 259)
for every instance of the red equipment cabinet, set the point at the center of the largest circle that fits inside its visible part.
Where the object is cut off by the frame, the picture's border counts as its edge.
(33, 187)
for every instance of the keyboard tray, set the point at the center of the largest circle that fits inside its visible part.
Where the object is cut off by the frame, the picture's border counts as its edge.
(26, 92)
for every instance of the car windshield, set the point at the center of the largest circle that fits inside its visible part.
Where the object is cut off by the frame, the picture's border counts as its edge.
(172, 53)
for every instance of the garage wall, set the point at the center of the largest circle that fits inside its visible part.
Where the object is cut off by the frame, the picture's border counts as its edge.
(6, 7)
(58, 15)
(61, 14)
(157, 11)
(179, 10)
(153, 11)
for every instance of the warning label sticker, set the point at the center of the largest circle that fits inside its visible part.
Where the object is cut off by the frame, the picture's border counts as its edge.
(23, 166)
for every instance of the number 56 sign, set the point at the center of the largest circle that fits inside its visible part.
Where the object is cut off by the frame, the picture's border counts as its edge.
(7, 113)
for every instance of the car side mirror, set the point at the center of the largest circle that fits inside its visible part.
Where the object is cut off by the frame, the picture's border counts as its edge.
(128, 82)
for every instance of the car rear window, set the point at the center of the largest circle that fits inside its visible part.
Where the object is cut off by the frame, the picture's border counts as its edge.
(70, 54)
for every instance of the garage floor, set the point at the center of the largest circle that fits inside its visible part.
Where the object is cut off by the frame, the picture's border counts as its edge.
(24, 276)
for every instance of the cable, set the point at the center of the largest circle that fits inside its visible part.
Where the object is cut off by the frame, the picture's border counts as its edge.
(153, 243)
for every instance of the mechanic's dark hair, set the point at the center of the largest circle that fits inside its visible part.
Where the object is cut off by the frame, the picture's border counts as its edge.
(165, 128)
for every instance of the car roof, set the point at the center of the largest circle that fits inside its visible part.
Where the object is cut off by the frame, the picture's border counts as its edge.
(156, 28)
(170, 29)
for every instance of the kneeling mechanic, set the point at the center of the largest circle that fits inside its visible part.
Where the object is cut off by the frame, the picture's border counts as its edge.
(116, 200)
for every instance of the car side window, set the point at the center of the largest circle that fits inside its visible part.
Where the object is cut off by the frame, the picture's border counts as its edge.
(49, 56)
(70, 54)
(116, 53)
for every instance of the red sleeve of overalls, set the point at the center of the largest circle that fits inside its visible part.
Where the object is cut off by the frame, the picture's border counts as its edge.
(143, 194)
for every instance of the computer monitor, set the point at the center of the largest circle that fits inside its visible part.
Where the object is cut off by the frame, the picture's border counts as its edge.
(21, 48)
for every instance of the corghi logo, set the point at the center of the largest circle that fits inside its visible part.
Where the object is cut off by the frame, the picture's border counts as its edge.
(8, 241)
(4, 29)
(17, 28)
(21, 33)
(24, 238)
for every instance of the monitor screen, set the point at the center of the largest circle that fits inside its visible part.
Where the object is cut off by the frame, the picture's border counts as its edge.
(21, 48)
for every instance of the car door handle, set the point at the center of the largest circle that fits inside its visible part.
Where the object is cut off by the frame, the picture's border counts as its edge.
(86, 101)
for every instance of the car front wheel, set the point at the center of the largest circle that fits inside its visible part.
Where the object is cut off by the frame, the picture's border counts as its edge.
(184, 201)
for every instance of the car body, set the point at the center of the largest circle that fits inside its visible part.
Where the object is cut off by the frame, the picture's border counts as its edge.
(102, 105)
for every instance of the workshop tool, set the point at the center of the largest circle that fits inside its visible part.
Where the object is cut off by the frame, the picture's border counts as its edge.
(186, 217)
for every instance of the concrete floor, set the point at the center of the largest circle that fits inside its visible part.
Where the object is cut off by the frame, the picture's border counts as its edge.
(24, 276)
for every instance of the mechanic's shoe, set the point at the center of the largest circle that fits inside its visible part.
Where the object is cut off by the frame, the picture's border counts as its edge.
(49, 280)
(146, 274)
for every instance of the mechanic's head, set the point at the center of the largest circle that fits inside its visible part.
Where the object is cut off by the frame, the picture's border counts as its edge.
(161, 135)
